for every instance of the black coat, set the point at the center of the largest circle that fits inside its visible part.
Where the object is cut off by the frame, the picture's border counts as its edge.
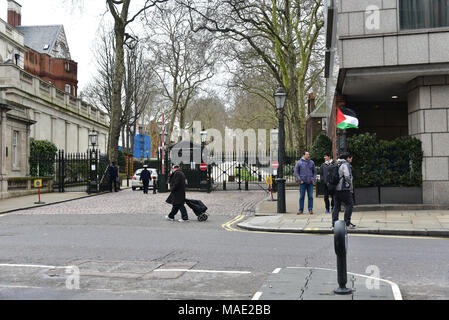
(145, 175)
(113, 172)
(177, 188)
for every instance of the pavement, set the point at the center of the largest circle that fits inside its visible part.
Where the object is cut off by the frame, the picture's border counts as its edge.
(392, 220)
(50, 198)
(303, 283)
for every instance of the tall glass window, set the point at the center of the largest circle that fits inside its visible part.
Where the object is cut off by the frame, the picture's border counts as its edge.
(423, 14)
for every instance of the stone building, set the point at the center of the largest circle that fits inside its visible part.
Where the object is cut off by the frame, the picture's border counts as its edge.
(31, 107)
(388, 60)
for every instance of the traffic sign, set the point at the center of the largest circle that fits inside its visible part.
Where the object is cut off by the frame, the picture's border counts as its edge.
(38, 183)
(269, 181)
(275, 164)
(203, 167)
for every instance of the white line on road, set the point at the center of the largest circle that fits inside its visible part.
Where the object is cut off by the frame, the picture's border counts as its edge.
(202, 271)
(33, 266)
(394, 287)
(277, 270)
(257, 296)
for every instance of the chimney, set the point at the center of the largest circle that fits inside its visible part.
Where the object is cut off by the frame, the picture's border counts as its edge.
(14, 13)
(311, 105)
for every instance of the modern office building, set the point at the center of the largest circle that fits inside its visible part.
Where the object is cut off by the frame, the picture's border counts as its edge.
(388, 60)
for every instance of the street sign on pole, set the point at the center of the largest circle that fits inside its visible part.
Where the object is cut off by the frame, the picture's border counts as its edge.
(203, 167)
(275, 164)
(38, 185)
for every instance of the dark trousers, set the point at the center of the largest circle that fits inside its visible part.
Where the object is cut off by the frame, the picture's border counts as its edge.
(145, 186)
(176, 208)
(347, 199)
(111, 183)
(326, 198)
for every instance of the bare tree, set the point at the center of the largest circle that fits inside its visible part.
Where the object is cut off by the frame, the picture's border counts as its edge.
(183, 60)
(283, 34)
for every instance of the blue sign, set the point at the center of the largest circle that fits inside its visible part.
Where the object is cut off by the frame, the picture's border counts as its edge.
(142, 146)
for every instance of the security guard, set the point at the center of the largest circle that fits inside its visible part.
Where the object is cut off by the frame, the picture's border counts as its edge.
(145, 177)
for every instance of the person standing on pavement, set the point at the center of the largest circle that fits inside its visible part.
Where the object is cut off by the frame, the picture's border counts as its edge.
(344, 190)
(324, 169)
(305, 173)
(177, 195)
(145, 177)
(113, 175)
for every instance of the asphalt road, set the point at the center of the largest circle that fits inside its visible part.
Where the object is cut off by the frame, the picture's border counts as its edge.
(117, 255)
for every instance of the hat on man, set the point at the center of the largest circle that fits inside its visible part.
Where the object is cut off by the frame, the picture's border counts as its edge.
(145, 166)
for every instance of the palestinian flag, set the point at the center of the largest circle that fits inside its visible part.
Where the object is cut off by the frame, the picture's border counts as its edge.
(346, 119)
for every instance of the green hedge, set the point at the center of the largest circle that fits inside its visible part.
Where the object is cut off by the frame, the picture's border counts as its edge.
(42, 153)
(395, 163)
(321, 145)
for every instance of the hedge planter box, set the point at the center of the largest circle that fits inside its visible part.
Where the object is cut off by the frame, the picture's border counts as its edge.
(401, 195)
(368, 195)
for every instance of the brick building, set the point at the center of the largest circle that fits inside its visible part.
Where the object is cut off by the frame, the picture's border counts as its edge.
(48, 55)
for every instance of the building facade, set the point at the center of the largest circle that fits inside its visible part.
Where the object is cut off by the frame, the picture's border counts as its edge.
(388, 60)
(47, 51)
(31, 107)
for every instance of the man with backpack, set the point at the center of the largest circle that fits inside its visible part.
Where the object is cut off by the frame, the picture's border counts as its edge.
(344, 190)
(328, 168)
(305, 173)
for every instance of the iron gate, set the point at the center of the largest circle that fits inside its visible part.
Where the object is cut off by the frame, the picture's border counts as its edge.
(81, 172)
(237, 171)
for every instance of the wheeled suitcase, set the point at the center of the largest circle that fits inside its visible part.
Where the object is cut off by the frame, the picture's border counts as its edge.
(199, 208)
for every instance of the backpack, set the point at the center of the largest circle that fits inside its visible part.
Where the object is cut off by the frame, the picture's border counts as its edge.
(333, 177)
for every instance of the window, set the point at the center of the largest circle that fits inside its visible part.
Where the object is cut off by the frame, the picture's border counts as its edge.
(67, 88)
(420, 14)
(15, 153)
(67, 67)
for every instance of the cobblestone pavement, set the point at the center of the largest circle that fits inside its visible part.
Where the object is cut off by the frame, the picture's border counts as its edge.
(225, 203)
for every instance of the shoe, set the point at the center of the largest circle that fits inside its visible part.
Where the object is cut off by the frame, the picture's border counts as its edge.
(169, 219)
(300, 212)
(310, 211)
(350, 225)
(326, 212)
(182, 220)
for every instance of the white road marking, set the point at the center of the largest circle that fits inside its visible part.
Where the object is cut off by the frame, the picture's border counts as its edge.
(202, 271)
(394, 287)
(33, 266)
(257, 295)
(277, 270)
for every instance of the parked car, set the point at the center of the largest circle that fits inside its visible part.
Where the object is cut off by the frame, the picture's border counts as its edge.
(136, 183)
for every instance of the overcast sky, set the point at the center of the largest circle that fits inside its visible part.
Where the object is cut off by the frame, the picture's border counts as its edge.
(80, 26)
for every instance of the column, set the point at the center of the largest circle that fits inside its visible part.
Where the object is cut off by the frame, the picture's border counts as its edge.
(428, 116)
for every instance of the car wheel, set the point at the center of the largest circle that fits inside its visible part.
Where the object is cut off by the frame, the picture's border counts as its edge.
(134, 189)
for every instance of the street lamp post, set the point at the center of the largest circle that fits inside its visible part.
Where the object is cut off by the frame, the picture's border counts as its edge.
(280, 97)
(93, 138)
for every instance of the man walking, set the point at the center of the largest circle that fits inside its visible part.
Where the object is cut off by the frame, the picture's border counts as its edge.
(305, 173)
(344, 190)
(145, 177)
(324, 170)
(113, 175)
(177, 195)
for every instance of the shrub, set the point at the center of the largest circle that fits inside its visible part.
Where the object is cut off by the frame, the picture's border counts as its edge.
(321, 145)
(42, 155)
(394, 163)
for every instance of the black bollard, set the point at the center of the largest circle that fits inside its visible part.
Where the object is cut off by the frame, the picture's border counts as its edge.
(154, 186)
(340, 243)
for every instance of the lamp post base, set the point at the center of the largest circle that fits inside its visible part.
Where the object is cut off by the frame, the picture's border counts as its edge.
(343, 291)
(281, 195)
